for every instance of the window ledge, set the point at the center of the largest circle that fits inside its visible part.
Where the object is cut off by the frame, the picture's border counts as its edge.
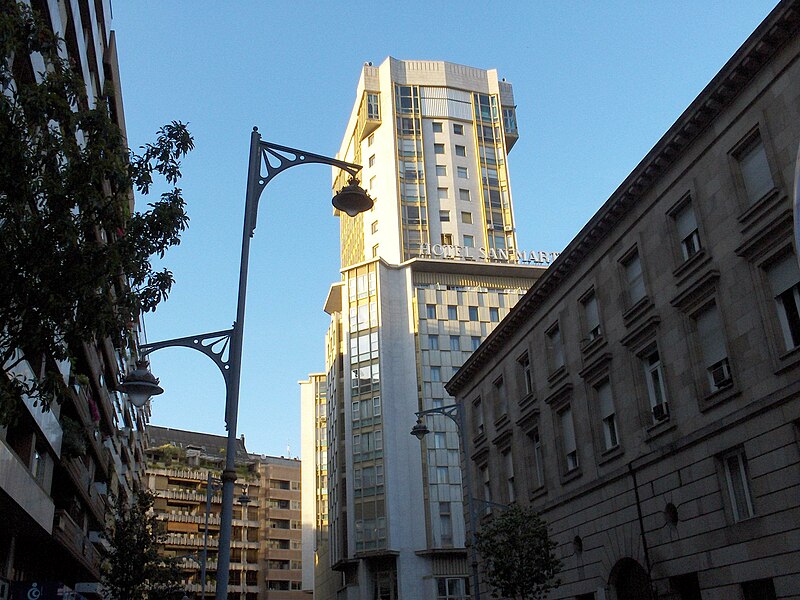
(527, 400)
(610, 454)
(589, 347)
(571, 475)
(658, 429)
(718, 397)
(636, 311)
(539, 492)
(690, 266)
(556, 376)
(788, 359)
(759, 206)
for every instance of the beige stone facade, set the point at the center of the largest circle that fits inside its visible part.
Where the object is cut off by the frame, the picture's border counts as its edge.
(645, 394)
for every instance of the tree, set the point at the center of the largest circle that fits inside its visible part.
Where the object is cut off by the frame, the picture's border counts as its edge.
(75, 259)
(134, 568)
(518, 556)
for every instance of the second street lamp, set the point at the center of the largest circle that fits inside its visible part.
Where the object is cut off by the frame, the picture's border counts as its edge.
(225, 347)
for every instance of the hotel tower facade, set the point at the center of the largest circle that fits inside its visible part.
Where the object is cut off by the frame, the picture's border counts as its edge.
(425, 277)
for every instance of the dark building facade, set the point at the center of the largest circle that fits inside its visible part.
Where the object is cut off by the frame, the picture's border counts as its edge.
(644, 395)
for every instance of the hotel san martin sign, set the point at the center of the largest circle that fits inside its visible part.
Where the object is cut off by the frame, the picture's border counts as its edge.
(534, 257)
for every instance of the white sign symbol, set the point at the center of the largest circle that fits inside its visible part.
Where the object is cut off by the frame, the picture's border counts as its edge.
(34, 592)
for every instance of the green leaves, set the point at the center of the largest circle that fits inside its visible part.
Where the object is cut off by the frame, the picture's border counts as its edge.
(75, 260)
(518, 556)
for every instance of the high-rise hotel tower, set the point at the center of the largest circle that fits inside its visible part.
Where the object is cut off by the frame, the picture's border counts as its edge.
(426, 275)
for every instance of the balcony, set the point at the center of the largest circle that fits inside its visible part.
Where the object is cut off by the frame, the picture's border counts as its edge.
(176, 539)
(88, 491)
(68, 534)
(368, 115)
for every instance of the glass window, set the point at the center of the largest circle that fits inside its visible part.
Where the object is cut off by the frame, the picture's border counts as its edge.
(436, 373)
(442, 475)
(469, 241)
(455, 343)
(373, 110)
(372, 161)
(494, 314)
(509, 120)
(569, 447)
(461, 150)
(508, 463)
(447, 239)
(433, 342)
(463, 194)
(462, 172)
(736, 477)
(430, 311)
(466, 217)
(440, 440)
(686, 226)
(473, 313)
(755, 170)
(555, 349)
(441, 170)
(444, 216)
(437, 127)
(711, 339)
(452, 312)
(458, 129)
(608, 415)
(477, 409)
(592, 317)
(374, 227)
(654, 377)
(487, 488)
(475, 341)
(538, 457)
(442, 193)
(438, 148)
(635, 278)
(527, 378)
(370, 139)
(784, 279)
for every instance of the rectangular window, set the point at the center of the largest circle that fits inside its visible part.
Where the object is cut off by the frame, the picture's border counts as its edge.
(508, 463)
(374, 227)
(452, 312)
(755, 171)
(608, 415)
(458, 129)
(441, 170)
(500, 400)
(487, 488)
(469, 241)
(462, 172)
(430, 311)
(784, 279)
(477, 408)
(634, 277)
(372, 161)
(494, 314)
(455, 343)
(440, 440)
(433, 342)
(442, 193)
(444, 216)
(527, 379)
(447, 239)
(736, 478)
(375, 250)
(463, 194)
(555, 349)
(437, 127)
(438, 148)
(373, 110)
(461, 150)
(442, 475)
(654, 377)
(370, 139)
(466, 217)
(473, 313)
(759, 589)
(711, 339)
(475, 341)
(569, 447)
(436, 373)
(538, 457)
(686, 226)
(446, 522)
(592, 317)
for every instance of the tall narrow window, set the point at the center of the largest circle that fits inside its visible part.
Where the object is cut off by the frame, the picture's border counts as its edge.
(452, 312)
(555, 349)
(455, 343)
(538, 457)
(608, 415)
(527, 379)
(784, 279)
(712, 344)
(634, 277)
(500, 400)
(473, 313)
(755, 170)
(736, 478)
(508, 463)
(592, 317)
(487, 488)
(430, 311)
(445, 520)
(569, 447)
(686, 226)
(477, 409)
(433, 342)
(373, 108)
(494, 314)
(654, 377)
(475, 341)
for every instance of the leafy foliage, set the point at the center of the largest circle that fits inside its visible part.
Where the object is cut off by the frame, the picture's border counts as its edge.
(518, 556)
(75, 260)
(134, 569)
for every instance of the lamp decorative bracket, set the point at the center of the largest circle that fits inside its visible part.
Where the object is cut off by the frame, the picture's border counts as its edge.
(215, 345)
(451, 411)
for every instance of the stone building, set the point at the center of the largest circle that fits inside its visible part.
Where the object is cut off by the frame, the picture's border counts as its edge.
(644, 395)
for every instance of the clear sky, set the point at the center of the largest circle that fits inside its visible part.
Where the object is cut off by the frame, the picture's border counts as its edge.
(596, 85)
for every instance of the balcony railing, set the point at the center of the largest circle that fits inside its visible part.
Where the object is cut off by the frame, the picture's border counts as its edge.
(67, 532)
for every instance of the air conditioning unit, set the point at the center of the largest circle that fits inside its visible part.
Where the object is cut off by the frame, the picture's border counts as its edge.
(720, 374)
(661, 411)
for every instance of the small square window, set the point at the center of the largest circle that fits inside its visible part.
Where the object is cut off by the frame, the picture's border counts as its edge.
(438, 148)
(372, 161)
(437, 127)
(452, 312)
(444, 216)
(461, 150)
(466, 217)
(441, 170)
(430, 311)
(463, 195)
(458, 129)
(473, 313)
(469, 241)
(462, 172)
(447, 239)
(442, 192)
(433, 342)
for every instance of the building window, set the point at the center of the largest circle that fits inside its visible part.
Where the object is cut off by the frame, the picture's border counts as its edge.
(500, 404)
(784, 279)
(440, 440)
(444, 216)
(475, 341)
(442, 193)
(469, 241)
(736, 479)
(634, 278)
(509, 120)
(473, 313)
(527, 379)
(452, 588)
(447, 239)
(654, 377)
(373, 110)
(374, 227)
(555, 349)
(375, 251)
(441, 170)
(438, 148)
(436, 374)
(591, 316)
(608, 415)
(711, 339)
(430, 311)
(433, 342)
(487, 489)
(686, 226)
(455, 343)
(477, 409)
(754, 168)
(442, 475)
(508, 463)
(446, 522)
(458, 129)
(462, 172)
(759, 589)
(538, 457)
(437, 127)
(372, 161)
(569, 448)
(494, 314)
(461, 150)
(372, 183)
(452, 312)
(370, 139)
(463, 194)
(466, 217)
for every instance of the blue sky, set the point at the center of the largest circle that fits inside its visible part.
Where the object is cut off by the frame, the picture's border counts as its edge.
(596, 85)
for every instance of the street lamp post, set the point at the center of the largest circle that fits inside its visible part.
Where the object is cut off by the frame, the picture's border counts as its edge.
(455, 412)
(140, 384)
(212, 485)
(244, 500)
